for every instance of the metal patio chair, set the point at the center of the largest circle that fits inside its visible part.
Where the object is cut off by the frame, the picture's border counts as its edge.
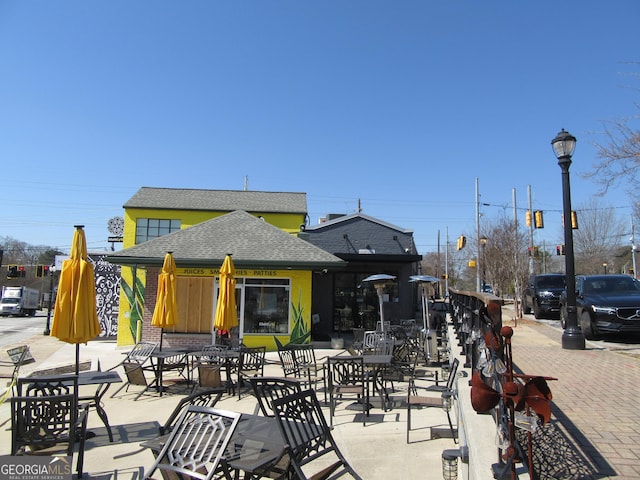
(308, 438)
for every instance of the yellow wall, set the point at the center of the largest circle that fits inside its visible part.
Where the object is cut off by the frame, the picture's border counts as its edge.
(128, 313)
(299, 309)
(287, 222)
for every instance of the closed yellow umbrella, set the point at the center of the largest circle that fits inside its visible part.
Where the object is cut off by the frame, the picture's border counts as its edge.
(75, 318)
(165, 313)
(226, 315)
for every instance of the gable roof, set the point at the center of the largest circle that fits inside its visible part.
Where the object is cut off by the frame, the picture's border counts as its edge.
(354, 216)
(218, 200)
(252, 241)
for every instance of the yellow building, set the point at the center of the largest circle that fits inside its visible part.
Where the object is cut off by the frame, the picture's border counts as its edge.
(273, 268)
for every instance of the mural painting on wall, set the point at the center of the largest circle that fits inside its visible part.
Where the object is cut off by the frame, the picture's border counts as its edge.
(135, 300)
(300, 333)
(107, 294)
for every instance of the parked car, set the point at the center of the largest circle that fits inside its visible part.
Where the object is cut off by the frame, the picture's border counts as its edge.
(542, 294)
(605, 304)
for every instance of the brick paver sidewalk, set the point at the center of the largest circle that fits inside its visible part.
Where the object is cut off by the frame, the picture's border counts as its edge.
(595, 429)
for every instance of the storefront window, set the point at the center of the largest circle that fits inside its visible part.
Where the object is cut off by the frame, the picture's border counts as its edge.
(356, 302)
(266, 306)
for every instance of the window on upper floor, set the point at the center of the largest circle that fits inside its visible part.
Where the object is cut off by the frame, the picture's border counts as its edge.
(148, 228)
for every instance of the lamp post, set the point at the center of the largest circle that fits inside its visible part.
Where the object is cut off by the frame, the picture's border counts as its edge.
(483, 242)
(604, 267)
(563, 146)
(52, 272)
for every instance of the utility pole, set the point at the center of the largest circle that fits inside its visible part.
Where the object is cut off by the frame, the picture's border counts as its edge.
(531, 259)
(446, 263)
(478, 286)
(633, 248)
(515, 258)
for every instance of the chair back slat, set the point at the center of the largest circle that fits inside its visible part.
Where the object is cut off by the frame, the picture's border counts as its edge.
(288, 362)
(47, 385)
(346, 371)
(141, 352)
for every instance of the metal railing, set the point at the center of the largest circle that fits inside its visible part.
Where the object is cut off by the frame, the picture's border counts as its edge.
(518, 403)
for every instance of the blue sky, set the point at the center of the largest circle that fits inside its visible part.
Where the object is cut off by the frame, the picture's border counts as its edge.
(398, 105)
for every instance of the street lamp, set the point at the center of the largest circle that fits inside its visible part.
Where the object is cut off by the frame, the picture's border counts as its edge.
(52, 272)
(563, 146)
(483, 242)
(604, 266)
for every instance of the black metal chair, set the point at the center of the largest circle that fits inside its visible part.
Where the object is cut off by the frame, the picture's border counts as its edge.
(266, 389)
(288, 362)
(204, 398)
(308, 438)
(196, 445)
(135, 364)
(444, 401)
(48, 425)
(250, 364)
(347, 376)
(47, 385)
(305, 358)
(209, 365)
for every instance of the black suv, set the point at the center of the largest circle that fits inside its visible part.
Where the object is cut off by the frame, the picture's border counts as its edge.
(605, 304)
(542, 294)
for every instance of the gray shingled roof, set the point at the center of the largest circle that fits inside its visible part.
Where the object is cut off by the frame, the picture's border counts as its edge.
(348, 218)
(218, 200)
(252, 241)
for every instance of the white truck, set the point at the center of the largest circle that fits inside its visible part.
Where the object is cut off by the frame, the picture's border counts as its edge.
(19, 301)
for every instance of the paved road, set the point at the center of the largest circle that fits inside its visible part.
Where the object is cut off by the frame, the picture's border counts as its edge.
(18, 329)
(629, 344)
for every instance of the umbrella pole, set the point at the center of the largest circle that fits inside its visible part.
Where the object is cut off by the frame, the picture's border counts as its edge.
(77, 358)
(161, 335)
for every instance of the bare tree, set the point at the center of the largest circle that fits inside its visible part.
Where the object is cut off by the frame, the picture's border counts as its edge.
(506, 263)
(435, 266)
(619, 154)
(598, 238)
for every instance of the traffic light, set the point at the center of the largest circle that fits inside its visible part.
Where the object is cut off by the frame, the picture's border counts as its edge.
(45, 270)
(574, 220)
(12, 271)
(39, 270)
(21, 271)
(528, 218)
(538, 218)
(462, 241)
(559, 249)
